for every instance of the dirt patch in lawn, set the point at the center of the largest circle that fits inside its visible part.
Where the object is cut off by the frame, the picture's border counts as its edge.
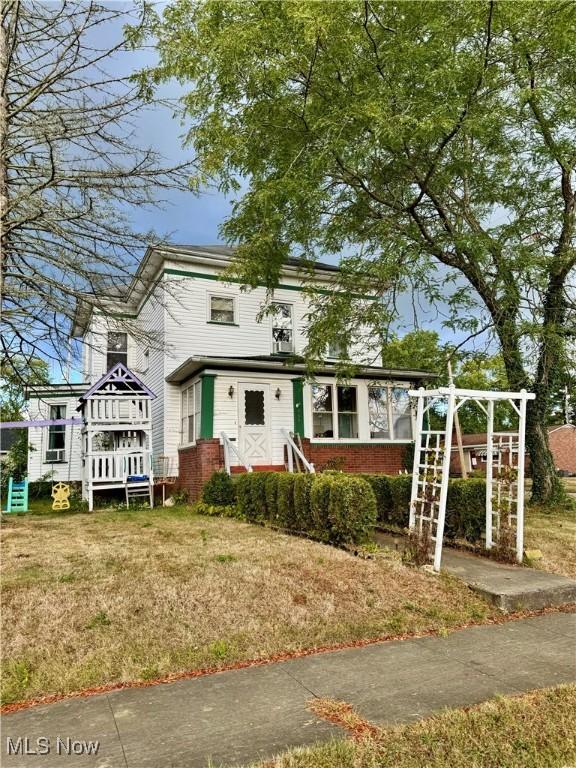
(116, 596)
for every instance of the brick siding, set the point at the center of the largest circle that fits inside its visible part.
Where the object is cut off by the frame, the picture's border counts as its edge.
(563, 447)
(197, 464)
(372, 459)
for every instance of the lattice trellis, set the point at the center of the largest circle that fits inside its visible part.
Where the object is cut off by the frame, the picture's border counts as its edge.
(432, 453)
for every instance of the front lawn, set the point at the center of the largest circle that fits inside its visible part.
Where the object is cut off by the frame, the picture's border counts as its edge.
(554, 534)
(90, 599)
(536, 730)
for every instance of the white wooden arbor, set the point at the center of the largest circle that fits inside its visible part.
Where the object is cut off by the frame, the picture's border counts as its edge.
(432, 453)
(117, 436)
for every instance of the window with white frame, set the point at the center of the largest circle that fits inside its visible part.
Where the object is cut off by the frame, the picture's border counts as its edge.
(56, 450)
(322, 411)
(117, 349)
(378, 413)
(282, 328)
(190, 413)
(334, 418)
(336, 351)
(222, 309)
(401, 413)
(347, 412)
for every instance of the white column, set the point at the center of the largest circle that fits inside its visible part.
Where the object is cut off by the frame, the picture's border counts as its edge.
(489, 467)
(444, 479)
(416, 462)
(520, 486)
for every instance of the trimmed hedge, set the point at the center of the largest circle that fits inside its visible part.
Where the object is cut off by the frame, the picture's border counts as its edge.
(351, 510)
(465, 505)
(219, 490)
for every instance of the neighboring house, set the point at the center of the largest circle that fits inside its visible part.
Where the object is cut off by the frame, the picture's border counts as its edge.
(562, 440)
(7, 439)
(227, 385)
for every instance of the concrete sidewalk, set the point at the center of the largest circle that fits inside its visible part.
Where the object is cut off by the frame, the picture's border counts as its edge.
(246, 715)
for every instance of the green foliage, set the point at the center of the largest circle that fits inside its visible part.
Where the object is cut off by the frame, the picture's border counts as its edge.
(219, 490)
(302, 486)
(215, 510)
(258, 496)
(400, 487)
(271, 491)
(466, 509)
(381, 488)
(319, 505)
(351, 510)
(244, 498)
(285, 513)
(180, 496)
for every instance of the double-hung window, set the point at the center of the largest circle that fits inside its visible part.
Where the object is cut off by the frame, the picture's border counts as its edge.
(190, 414)
(334, 417)
(222, 309)
(56, 450)
(282, 328)
(117, 351)
(389, 413)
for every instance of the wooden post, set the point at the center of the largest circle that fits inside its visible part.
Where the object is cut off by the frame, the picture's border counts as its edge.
(457, 428)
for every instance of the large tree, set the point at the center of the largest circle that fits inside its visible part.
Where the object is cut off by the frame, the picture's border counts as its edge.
(439, 137)
(71, 168)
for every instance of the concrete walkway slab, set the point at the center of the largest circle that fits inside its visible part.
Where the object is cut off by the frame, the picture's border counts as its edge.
(241, 716)
(509, 587)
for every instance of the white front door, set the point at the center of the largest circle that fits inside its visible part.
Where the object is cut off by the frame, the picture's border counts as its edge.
(254, 422)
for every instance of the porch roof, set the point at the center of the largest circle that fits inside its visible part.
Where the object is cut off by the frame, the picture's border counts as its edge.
(275, 364)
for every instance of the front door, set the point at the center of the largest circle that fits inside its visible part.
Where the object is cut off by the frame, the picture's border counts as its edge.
(254, 422)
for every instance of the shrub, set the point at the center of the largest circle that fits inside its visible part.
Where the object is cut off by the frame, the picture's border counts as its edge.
(244, 499)
(271, 492)
(258, 495)
(219, 490)
(400, 488)
(351, 510)
(302, 487)
(381, 487)
(285, 515)
(319, 506)
(466, 509)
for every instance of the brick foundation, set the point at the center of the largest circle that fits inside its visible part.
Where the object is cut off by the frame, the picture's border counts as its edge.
(351, 457)
(197, 464)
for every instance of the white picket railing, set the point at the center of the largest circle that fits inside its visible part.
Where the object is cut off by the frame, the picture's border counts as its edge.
(108, 466)
(229, 447)
(118, 410)
(294, 450)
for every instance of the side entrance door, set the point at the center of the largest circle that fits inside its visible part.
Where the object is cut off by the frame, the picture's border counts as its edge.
(254, 422)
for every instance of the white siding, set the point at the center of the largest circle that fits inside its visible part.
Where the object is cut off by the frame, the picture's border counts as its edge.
(38, 438)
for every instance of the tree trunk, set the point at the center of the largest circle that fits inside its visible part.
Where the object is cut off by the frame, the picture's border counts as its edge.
(547, 487)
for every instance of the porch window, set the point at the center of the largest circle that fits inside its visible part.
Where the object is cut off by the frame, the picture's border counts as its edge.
(347, 412)
(401, 414)
(56, 451)
(322, 412)
(222, 310)
(117, 349)
(190, 413)
(378, 413)
(282, 329)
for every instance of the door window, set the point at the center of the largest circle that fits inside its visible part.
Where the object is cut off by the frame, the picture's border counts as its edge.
(254, 407)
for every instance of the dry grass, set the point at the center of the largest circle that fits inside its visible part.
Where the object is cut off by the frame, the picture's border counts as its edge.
(116, 596)
(554, 534)
(536, 730)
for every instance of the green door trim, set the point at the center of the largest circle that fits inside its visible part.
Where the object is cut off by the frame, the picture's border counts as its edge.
(298, 406)
(207, 406)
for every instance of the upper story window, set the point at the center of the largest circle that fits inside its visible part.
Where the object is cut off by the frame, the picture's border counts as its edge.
(190, 413)
(117, 350)
(56, 450)
(222, 309)
(336, 351)
(282, 328)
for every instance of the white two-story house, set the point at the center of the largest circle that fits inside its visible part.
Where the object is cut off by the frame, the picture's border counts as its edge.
(229, 388)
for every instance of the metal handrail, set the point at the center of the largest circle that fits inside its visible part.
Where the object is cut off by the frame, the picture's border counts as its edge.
(228, 444)
(291, 444)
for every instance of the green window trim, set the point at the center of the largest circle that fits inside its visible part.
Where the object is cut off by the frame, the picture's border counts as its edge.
(298, 405)
(207, 406)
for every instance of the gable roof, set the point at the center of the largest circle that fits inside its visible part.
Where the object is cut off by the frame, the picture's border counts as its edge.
(123, 380)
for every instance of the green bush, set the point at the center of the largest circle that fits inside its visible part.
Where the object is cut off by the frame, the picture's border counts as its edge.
(381, 487)
(319, 506)
(219, 490)
(271, 492)
(302, 487)
(258, 495)
(466, 509)
(215, 510)
(400, 488)
(351, 510)
(244, 497)
(285, 514)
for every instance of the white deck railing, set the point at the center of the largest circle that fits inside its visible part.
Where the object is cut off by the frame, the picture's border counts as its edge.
(109, 466)
(294, 450)
(229, 447)
(106, 410)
